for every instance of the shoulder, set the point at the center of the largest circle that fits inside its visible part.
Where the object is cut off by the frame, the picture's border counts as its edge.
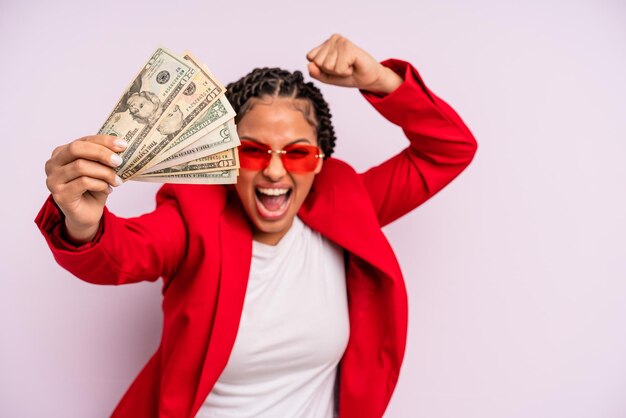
(336, 172)
(336, 182)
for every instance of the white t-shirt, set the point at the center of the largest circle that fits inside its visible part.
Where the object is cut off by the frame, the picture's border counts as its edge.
(293, 332)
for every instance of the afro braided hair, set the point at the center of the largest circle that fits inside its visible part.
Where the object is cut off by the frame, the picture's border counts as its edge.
(274, 82)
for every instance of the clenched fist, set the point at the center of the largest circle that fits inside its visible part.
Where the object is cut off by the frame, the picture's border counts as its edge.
(339, 62)
(79, 176)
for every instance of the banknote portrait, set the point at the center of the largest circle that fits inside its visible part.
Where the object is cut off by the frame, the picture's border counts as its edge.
(172, 122)
(145, 107)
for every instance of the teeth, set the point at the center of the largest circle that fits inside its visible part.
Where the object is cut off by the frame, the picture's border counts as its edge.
(273, 192)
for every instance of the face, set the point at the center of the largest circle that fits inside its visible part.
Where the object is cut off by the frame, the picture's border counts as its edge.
(172, 122)
(140, 107)
(272, 196)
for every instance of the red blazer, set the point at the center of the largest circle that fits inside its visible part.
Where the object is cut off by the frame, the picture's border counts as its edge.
(199, 241)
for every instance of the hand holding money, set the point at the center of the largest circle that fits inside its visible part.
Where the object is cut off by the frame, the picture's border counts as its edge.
(80, 176)
(172, 124)
(178, 124)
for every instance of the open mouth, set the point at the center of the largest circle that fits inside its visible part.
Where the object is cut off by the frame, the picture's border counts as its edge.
(272, 203)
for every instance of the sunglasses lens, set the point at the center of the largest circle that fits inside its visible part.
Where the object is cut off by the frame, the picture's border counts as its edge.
(300, 158)
(253, 156)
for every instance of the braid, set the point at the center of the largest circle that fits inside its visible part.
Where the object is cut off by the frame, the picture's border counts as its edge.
(278, 82)
(325, 131)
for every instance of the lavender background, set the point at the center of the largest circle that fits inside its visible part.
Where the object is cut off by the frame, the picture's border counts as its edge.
(516, 272)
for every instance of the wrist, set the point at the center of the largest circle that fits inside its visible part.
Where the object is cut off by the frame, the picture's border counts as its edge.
(386, 83)
(77, 234)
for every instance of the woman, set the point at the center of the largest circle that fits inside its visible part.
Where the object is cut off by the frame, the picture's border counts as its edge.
(282, 297)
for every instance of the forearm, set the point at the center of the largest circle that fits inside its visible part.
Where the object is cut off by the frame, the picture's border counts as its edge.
(441, 146)
(123, 250)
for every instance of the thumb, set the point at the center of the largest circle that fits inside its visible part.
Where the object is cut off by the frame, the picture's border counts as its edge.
(100, 197)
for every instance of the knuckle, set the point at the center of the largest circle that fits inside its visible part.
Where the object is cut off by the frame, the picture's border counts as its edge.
(50, 185)
(48, 167)
(106, 155)
(94, 139)
(109, 141)
(83, 181)
(78, 165)
(87, 138)
(55, 188)
(73, 148)
(56, 150)
(81, 166)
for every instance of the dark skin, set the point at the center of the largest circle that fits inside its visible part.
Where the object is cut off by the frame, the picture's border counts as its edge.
(81, 174)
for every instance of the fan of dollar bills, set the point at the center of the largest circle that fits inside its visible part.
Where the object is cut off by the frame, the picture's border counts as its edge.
(179, 126)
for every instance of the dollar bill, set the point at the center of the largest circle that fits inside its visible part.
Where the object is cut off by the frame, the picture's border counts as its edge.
(217, 114)
(162, 79)
(188, 107)
(214, 177)
(218, 140)
(226, 160)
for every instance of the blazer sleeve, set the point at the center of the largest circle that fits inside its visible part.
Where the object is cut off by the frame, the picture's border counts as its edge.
(124, 250)
(441, 146)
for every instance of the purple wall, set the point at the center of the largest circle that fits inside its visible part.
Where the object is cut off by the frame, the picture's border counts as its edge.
(516, 272)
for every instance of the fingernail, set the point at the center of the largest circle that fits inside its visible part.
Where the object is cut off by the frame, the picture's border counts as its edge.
(118, 181)
(109, 190)
(116, 160)
(120, 143)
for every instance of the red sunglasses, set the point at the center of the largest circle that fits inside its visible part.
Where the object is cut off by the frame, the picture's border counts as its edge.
(297, 158)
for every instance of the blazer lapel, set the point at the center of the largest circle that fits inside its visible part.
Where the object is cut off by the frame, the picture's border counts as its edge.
(236, 254)
(338, 208)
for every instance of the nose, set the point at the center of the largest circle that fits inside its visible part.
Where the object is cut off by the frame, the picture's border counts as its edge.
(275, 169)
